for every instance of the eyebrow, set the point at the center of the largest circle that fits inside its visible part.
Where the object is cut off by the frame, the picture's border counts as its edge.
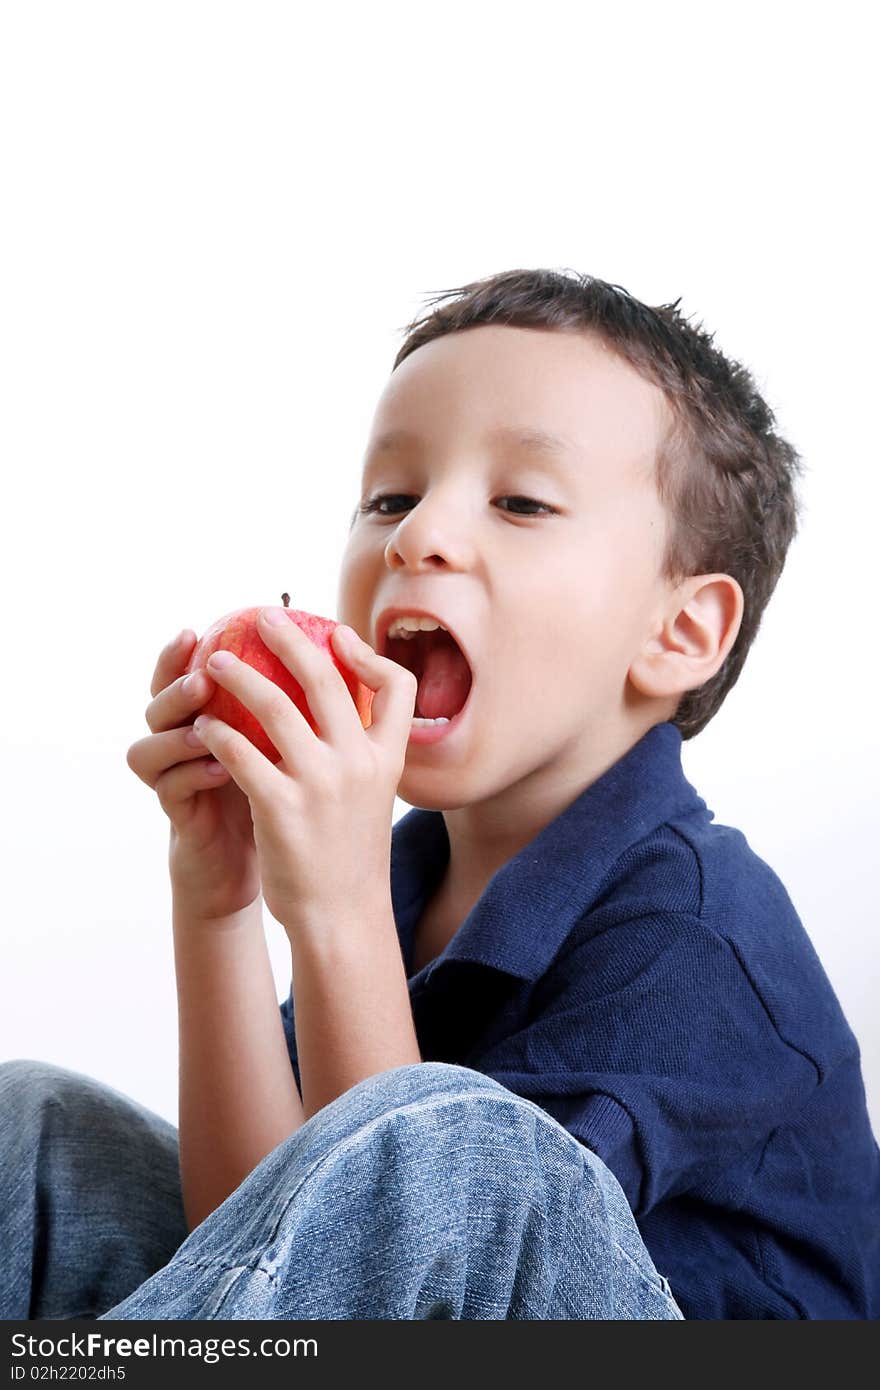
(538, 442)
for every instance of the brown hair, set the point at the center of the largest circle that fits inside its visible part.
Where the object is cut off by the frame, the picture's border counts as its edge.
(723, 473)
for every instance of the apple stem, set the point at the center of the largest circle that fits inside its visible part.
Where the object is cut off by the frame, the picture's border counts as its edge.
(285, 599)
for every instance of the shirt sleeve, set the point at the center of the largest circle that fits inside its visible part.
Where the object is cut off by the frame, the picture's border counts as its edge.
(290, 1034)
(649, 1043)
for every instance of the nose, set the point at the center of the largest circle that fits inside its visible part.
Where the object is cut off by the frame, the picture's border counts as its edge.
(428, 538)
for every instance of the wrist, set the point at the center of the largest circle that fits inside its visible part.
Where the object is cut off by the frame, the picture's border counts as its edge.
(190, 914)
(329, 925)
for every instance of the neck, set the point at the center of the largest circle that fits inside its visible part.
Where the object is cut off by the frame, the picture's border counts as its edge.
(485, 835)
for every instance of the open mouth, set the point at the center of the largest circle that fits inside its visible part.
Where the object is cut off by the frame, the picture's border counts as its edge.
(441, 668)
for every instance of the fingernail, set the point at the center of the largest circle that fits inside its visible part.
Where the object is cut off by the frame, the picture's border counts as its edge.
(189, 683)
(220, 660)
(192, 738)
(274, 616)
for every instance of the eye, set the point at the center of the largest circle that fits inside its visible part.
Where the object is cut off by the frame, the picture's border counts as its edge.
(374, 504)
(530, 501)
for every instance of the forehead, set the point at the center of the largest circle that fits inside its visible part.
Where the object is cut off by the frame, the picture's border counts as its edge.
(551, 395)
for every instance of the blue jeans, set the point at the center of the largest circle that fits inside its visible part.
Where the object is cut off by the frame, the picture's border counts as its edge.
(426, 1191)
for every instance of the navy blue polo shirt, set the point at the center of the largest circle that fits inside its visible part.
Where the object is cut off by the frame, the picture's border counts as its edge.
(642, 975)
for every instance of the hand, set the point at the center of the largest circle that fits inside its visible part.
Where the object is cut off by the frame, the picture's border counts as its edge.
(212, 855)
(322, 815)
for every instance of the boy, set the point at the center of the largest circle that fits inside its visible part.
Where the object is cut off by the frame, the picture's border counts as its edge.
(625, 1013)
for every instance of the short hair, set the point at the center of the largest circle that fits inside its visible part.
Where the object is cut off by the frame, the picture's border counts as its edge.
(724, 474)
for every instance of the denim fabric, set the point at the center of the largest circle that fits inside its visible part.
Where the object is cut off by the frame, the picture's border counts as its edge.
(426, 1191)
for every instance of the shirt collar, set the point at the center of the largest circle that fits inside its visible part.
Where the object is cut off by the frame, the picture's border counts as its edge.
(531, 903)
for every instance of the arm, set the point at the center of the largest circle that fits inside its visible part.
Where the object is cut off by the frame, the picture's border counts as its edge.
(238, 1096)
(351, 1002)
(322, 823)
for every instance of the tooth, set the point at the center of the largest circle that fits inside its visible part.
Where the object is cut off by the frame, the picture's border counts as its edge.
(408, 625)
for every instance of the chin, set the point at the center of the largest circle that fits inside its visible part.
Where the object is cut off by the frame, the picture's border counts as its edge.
(421, 799)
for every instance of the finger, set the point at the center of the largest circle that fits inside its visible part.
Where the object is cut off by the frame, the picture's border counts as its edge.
(172, 660)
(177, 703)
(179, 784)
(395, 687)
(328, 696)
(272, 707)
(151, 757)
(246, 765)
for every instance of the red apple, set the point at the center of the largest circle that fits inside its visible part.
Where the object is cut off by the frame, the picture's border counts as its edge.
(237, 632)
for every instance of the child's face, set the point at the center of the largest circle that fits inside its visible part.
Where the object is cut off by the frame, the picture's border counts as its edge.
(553, 608)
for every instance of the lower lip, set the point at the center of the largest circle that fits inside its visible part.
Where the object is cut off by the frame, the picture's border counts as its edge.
(433, 733)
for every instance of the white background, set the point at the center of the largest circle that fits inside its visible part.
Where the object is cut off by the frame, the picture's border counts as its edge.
(217, 219)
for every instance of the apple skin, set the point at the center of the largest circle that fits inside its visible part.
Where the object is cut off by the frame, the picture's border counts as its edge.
(238, 632)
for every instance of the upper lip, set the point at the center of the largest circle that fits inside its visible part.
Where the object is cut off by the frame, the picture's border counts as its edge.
(387, 616)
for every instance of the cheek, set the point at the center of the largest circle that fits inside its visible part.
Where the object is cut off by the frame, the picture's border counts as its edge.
(351, 594)
(569, 639)
(532, 668)
(591, 602)
(360, 574)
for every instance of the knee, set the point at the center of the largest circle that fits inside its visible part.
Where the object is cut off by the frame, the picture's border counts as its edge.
(28, 1084)
(427, 1081)
(28, 1071)
(437, 1144)
(428, 1112)
(440, 1112)
(412, 1094)
(24, 1074)
(420, 1081)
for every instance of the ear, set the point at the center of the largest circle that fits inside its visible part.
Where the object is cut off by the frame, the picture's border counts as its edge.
(696, 631)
